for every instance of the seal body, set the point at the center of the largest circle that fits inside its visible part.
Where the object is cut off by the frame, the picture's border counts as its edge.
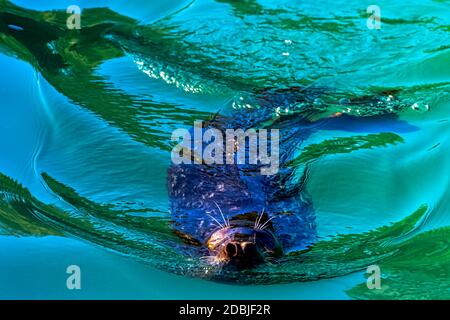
(234, 204)
(234, 214)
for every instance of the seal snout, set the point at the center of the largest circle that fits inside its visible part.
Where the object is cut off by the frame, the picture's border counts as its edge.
(242, 254)
(242, 247)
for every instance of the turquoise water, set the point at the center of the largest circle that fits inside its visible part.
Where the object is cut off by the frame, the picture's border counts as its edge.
(86, 119)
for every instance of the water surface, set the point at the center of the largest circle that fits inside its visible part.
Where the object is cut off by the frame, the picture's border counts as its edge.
(86, 119)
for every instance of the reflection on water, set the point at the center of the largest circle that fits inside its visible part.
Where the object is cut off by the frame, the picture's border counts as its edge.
(87, 117)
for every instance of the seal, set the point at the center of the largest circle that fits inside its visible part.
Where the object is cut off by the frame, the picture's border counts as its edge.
(233, 215)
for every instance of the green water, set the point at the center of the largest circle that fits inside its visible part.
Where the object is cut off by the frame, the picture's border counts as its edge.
(87, 115)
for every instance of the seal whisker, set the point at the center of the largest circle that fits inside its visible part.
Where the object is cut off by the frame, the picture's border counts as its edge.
(216, 226)
(221, 226)
(272, 260)
(265, 223)
(258, 219)
(207, 258)
(221, 213)
(211, 260)
(255, 226)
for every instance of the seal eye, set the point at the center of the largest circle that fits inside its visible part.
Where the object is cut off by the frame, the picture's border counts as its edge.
(231, 249)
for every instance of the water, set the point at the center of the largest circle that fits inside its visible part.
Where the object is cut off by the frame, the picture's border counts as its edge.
(86, 119)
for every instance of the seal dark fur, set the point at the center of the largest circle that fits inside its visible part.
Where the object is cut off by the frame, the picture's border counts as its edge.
(203, 198)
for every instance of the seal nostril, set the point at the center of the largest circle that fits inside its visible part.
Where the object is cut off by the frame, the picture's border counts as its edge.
(231, 249)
